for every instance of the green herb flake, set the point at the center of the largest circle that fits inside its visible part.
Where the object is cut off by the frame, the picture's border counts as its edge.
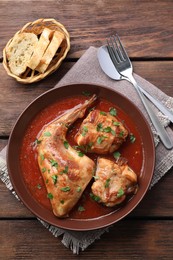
(107, 129)
(86, 93)
(103, 113)
(116, 155)
(54, 178)
(84, 130)
(100, 139)
(107, 182)
(39, 186)
(47, 134)
(80, 154)
(79, 189)
(50, 196)
(66, 144)
(37, 141)
(62, 201)
(88, 147)
(81, 208)
(116, 123)
(65, 170)
(120, 193)
(121, 134)
(112, 111)
(65, 189)
(42, 157)
(54, 163)
(94, 197)
(43, 170)
(113, 132)
(132, 138)
(99, 127)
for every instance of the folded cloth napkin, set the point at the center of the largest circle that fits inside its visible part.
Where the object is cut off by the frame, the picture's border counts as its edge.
(87, 70)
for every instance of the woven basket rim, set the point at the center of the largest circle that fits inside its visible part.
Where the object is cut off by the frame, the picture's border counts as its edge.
(39, 76)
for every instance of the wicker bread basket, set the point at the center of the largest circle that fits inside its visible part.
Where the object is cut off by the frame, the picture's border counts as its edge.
(36, 27)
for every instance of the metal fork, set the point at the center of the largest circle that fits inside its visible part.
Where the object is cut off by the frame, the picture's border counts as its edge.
(123, 65)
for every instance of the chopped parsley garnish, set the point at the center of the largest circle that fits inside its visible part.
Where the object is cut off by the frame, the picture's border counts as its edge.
(100, 139)
(54, 178)
(121, 134)
(84, 130)
(107, 183)
(113, 132)
(116, 123)
(43, 170)
(62, 201)
(80, 154)
(65, 169)
(42, 157)
(50, 196)
(37, 141)
(112, 111)
(47, 134)
(66, 144)
(99, 127)
(88, 146)
(94, 197)
(132, 138)
(86, 93)
(65, 189)
(79, 189)
(120, 193)
(116, 155)
(54, 163)
(103, 113)
(39, 186)
(81, 208)
(108, 129)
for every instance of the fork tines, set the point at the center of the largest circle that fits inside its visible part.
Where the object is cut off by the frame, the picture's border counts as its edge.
(116, 49)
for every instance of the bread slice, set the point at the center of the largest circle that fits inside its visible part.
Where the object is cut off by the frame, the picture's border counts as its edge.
(40, 48)
(50, 52)
(19, 52)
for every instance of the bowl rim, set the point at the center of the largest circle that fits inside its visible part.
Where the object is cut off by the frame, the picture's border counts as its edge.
(68, 223)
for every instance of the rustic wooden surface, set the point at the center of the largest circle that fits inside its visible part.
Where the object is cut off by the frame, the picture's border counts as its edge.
(147, 29)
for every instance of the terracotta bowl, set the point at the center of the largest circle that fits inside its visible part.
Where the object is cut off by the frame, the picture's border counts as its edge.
(15, 144)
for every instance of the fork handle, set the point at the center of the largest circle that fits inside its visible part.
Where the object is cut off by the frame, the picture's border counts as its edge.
(154, 119)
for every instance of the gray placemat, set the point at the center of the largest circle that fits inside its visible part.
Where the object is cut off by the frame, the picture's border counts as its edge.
(87, 70)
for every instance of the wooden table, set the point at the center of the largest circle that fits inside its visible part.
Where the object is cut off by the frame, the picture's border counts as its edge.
(147, 29)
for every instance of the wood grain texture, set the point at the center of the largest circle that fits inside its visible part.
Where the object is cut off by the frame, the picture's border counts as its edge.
(146, 28)
(18, 96)
(137, 240)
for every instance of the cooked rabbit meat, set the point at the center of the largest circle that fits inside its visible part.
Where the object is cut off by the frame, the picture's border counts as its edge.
(113, 182)
(101, 133)
(65, 173)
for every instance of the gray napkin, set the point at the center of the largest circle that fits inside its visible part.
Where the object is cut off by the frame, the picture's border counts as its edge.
(87, 70)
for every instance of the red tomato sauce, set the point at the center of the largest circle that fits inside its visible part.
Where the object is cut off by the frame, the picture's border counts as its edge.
(86, 207)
